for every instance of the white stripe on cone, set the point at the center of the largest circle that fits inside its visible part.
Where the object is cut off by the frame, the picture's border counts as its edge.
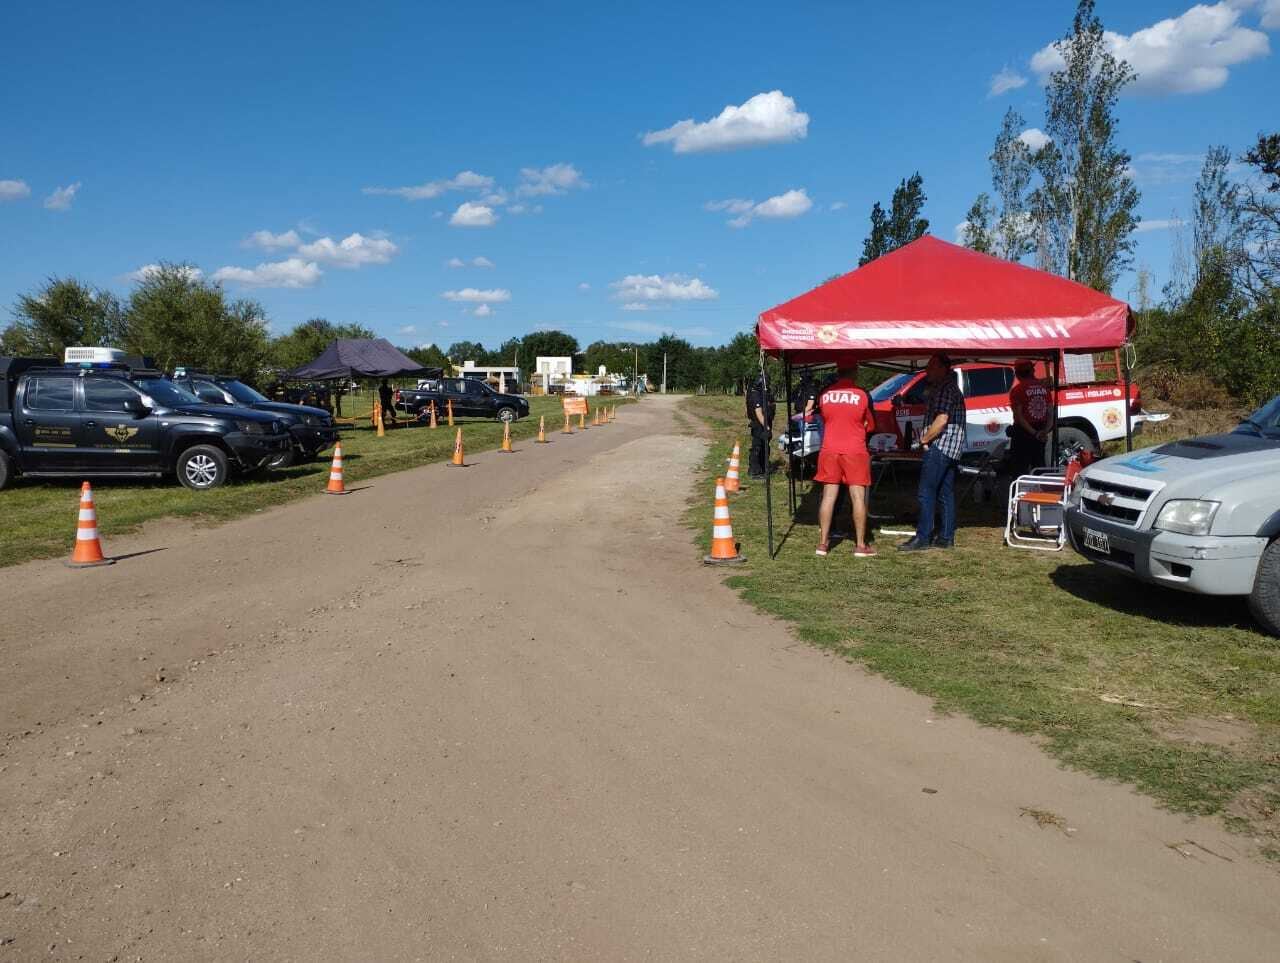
(722, 531)
(88, 514)
(86, 534)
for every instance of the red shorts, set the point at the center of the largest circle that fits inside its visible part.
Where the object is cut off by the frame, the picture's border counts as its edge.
(836, 469)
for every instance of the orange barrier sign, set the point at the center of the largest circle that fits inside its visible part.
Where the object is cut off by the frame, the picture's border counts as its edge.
(574, 405)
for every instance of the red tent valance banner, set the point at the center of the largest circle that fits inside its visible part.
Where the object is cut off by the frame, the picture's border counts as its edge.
(931, 296)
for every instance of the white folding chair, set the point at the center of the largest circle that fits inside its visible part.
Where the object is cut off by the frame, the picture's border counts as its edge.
(1036, 518)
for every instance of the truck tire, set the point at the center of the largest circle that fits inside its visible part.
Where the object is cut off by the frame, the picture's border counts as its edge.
(1070, 441)
(1264, 602)
(6, 469)
(506, 414)
(202, 467)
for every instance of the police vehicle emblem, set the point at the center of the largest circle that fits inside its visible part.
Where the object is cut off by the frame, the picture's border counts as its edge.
(121, 433)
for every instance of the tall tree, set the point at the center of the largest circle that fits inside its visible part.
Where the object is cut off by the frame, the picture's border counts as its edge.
(1258, 202)
(902, 225)
(1087, 198)
(1216, 214)
(1011, 170)
(461, 351)
(63, 313)
(978, 232)
(877, 239)
(178, 318)
(546, 344)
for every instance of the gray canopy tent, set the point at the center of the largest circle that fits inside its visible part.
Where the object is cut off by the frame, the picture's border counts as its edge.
(349, 358)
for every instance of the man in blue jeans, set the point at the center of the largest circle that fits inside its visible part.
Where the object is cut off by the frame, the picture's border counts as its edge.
(942, 439)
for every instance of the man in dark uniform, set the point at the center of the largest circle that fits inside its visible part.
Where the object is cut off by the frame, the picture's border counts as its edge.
(760, 410)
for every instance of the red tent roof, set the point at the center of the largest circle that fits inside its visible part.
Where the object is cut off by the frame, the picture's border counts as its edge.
(933, 296)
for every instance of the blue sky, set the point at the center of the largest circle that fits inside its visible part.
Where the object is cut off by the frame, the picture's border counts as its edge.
(186, 130)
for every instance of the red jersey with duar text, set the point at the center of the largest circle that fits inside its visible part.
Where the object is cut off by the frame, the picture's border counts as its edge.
(1033, 398)
(847, 418)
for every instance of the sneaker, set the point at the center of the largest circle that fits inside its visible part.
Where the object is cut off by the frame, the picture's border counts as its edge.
(865, 551)
(822, 550)
(914, 545)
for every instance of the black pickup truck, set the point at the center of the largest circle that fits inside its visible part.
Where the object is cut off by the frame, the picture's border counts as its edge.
(471, 398)
(312, 429)
(113, 421)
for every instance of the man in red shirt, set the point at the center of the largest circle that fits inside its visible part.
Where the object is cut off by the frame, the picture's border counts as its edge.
(847, 418)
(1032, 419)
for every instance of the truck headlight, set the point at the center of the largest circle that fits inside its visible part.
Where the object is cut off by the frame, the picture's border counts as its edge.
(252, 427)
(1190, 516)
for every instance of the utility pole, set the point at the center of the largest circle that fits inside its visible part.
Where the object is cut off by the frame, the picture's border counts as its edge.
(664, 372)
(635, 374)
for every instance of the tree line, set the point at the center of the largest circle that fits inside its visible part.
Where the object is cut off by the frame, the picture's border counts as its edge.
(176, 317)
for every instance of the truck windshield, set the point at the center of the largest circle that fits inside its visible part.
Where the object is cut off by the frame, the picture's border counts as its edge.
(1266, 420)
(886, 391)
(164, 392)
(242, 392)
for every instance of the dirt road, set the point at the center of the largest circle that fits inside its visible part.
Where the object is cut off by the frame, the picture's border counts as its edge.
(502, 712)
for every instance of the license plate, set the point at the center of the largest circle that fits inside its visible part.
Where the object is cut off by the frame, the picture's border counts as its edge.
(1100, 542)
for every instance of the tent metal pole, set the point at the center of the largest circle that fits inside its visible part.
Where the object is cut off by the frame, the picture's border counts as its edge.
(768, 456)
(1057, 454)
(1128, 406)
(791, 465)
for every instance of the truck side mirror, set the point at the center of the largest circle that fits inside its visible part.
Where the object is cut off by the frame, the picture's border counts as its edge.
(136, 407)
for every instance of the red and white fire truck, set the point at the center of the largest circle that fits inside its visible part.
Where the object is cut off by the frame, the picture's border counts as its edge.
(1090, 403)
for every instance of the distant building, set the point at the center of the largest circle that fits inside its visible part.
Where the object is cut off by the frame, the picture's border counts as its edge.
(501, 378)
(552, 371)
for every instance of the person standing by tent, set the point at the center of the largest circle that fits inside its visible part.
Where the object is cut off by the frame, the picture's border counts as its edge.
(844, 459)
(1029, 399)
(942, 439)
(760, 410)
(387, 399)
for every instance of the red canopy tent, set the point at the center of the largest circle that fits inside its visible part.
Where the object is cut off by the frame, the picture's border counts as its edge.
(934, 297)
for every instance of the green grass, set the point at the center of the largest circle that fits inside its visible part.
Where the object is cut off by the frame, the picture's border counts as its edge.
(1031, 642)
(39, 515)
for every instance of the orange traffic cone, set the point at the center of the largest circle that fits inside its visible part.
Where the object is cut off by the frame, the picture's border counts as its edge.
(568, 425)
(724, 550)
(335, 473)
(449, 403)
(731, 478)
(542, 429)
(459, 459)
(613, 413)
(377, 419)
(506, 448)
(582, 421)
(433, 415)
(88, 550)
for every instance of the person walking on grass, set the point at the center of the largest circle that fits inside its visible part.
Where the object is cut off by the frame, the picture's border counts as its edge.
(847, 419)
(942, 439)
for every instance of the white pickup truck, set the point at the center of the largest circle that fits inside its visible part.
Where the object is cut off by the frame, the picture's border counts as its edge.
(1200, 515)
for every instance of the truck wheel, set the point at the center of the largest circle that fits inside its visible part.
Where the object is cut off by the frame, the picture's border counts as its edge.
(1070, 441)
(285, 459)
(202, 467)
(506, 414)
(1264, 602)
(6, 469)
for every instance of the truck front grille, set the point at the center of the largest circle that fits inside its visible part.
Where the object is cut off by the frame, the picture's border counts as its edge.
(1119, 500)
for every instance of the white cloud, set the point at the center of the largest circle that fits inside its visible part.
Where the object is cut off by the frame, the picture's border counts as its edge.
(407, 329)
(791, 204)
(443, 324)
(61, 198)
(768, 118)
(14, 190)
(272, 242)
(584, 286)
(477, 296)
(353, 251)
(1187, 54)
(525, 208)
(463, 181)
(1034, 138)
(482, 311)
(1271, 14)
(470, 214)
(455, 262)
(1160, 169)
(293, 272)
(1144, 225)
(838, 206)
(659, 289)
(635, 306)
(1006, 80)
(147, 270)
(556, 179)
(482, 262)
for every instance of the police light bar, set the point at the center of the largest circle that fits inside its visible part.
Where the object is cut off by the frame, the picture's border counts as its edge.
(93, 357)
